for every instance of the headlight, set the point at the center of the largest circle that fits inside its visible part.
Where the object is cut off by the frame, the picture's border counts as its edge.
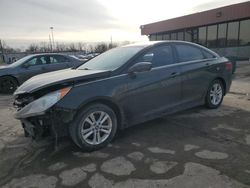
(39, 106)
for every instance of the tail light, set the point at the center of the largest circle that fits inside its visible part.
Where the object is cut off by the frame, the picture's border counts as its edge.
(229, 66)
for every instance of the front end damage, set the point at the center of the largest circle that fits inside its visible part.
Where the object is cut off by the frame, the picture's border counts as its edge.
(39, 115)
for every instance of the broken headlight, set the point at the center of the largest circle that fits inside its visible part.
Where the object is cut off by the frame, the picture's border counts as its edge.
(39, 106)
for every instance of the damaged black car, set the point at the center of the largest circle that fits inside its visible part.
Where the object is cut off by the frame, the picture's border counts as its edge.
(119, 88)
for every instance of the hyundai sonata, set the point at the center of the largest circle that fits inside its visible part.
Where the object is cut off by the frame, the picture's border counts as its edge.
(120, 88)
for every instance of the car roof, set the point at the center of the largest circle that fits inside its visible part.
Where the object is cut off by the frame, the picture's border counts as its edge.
(154, 43)
(46, 54)
(149, 43)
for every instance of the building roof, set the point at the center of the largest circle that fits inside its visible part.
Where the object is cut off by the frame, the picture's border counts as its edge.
(218, 15)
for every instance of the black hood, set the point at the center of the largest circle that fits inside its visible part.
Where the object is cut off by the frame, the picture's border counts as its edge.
(3, 67)
(59, 77)
(4, 70)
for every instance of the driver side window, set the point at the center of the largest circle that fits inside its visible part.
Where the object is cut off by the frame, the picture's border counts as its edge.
(158, 56)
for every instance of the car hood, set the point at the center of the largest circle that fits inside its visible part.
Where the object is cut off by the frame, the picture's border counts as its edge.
(3, 66)
(5, 70)
(59, 77)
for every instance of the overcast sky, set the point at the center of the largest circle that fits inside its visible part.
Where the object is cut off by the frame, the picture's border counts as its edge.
(26, 21)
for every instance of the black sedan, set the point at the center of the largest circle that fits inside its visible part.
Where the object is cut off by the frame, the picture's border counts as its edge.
(119, 88)
(13, 75)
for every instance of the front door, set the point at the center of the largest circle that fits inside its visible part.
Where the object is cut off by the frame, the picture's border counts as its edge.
(32, 67)
(153, 92)
(56, 62)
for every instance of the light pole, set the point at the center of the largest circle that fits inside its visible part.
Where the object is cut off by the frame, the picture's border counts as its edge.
(50, 43)
(2, 52)
(111, 41)
(52, 35)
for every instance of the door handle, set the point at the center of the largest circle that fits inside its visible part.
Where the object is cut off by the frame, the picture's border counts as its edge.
(207, 64)
(174, 74)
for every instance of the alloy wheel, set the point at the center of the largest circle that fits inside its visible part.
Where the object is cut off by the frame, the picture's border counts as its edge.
(96, 127)
(216, 94)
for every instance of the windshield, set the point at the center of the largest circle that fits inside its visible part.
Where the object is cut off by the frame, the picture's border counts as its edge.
(73, 57)
(111, 59)
(20, 61)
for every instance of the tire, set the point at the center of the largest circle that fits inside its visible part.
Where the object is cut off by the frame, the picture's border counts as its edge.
(215, 94)
(8, 85)
(84, 125)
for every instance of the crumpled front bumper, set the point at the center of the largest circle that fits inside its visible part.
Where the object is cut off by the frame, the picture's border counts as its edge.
(36, 127)
(54, 123)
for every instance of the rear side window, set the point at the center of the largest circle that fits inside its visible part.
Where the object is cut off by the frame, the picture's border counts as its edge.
(188, 53)
(57, 59)
(208, 55)
(158, 56)
(61, 58)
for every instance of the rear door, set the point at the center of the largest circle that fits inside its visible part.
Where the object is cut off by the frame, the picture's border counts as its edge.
(154, 92)
(195, 64)
(56, 62)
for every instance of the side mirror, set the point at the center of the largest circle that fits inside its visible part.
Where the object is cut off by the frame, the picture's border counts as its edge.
(140, 67)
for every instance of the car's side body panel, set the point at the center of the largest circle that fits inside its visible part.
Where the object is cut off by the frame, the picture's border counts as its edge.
(196, 77)
(23, 74)
(153, 92)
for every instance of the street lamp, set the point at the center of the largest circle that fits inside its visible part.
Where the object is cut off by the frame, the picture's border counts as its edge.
(52, 35)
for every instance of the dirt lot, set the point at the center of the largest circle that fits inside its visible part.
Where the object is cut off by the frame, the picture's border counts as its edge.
(196, 148)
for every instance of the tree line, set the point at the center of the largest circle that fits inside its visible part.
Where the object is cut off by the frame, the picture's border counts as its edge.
(42, 47)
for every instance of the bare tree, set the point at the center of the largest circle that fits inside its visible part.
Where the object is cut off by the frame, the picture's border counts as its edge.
(44, 47)
(32, 48)
(81, 46)
(72, 47)
(61, 47)
(3, 46)
(90, 48)
(100, 48)
(113, 45)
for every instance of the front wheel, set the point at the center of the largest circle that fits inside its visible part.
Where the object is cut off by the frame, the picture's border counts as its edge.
(215, 94)
(94, 127)
(8, 85)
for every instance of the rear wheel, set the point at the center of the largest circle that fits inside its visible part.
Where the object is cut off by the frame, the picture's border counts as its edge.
(215, 94)
(94, 127)
(8, 85)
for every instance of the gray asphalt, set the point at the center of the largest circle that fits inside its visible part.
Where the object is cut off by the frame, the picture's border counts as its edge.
(195, 148)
